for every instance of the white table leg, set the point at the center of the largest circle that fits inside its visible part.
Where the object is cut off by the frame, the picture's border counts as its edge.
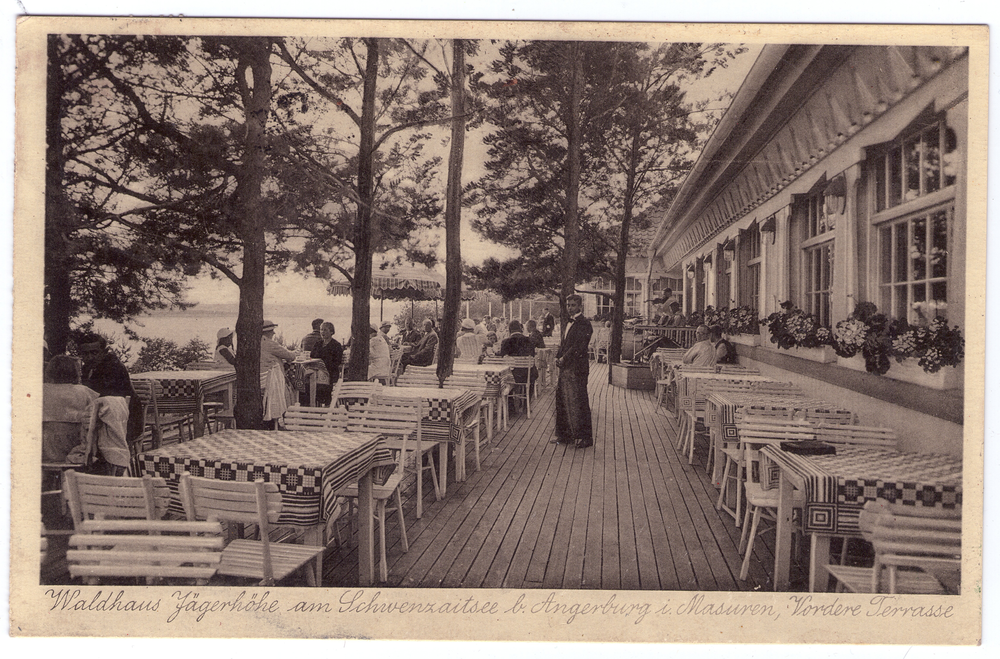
(443, 466)
(783, 539)
(819, 557)
(316, 537)
(366, 531)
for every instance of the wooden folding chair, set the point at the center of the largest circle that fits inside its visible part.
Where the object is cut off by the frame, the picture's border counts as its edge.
(396, 423)
(917, 551)
(422, 450)
(300, 417)
(249, 503)
(154, 549)
(350, 394)
(114, 497)
(160, 419)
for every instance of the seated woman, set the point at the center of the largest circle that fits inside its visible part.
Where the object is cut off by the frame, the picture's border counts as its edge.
(65, 408)
(332, 354)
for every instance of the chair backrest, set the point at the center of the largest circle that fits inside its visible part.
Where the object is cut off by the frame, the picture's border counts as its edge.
(209, 366)
(751, 414)
(144, 548)
(860, 435)
(148, 391)
(829, 417)
(300, 417)
(103, 497)
(398, 422)
(771, 431)
(775, 387)
(242, 502)
(349, 394)
(912, 536)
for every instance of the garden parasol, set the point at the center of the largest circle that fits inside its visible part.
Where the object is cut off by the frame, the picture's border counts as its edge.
(402, 282)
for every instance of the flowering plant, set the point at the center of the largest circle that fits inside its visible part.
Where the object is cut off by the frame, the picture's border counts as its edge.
(877, 338)
(696, 318)
(715, 316)
(868, 332)
(934, 346)
(792, 327)
(743, 320)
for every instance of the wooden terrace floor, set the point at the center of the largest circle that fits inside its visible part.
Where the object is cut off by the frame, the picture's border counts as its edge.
(631, 514)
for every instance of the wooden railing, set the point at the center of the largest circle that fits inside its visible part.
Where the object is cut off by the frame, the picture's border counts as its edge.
(673, 337)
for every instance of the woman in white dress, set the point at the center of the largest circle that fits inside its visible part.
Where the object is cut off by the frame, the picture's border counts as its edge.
(273, 356)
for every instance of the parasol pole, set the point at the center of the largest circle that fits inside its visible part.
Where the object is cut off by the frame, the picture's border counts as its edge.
(381, 309)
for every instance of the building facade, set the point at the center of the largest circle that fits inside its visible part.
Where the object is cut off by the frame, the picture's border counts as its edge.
(837, 176)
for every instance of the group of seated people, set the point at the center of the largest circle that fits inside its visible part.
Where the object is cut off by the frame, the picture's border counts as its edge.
(71, 386)
(710, 349)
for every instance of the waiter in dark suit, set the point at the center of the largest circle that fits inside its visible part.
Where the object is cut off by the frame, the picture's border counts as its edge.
(573, 424)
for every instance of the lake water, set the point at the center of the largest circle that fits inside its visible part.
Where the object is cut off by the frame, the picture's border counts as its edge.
(204, 320)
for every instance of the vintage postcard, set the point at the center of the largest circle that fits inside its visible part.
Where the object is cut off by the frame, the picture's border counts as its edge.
(707, 303)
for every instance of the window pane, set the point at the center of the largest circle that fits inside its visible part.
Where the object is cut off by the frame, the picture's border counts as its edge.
(886, 257)
(939, 297)
(911, 152)
(895, 181)
(902, 253)
(900, 307)
(932, 160)
(939, 244)
(950, 159)
(918, 250)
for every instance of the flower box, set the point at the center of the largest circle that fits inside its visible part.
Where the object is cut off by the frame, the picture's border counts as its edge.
(855, 363)
(948, 377)
(822, 354)
(632, 376)
(745, 339)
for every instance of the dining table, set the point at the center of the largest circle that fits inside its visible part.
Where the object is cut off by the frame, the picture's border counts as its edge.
(445, 408)
(196, 385)
(497, 379)
(309, 467)
(836, 487)
(723, 409)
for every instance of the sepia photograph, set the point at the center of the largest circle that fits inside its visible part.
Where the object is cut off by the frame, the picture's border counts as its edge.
(499, 331)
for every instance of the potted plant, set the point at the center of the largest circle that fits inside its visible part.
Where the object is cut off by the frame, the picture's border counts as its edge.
(794, 330)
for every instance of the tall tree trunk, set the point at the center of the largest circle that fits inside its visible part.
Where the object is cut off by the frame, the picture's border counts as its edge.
(357, 368)
(453, 216)
(58, 213)
(618, 314)
(571, 220)
(254, 57)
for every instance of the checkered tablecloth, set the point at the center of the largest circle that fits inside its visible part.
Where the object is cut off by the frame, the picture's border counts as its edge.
(443, 412)
(308, 467)
(837, 486)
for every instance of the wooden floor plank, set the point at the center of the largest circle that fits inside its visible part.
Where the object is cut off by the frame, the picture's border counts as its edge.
(629, 513)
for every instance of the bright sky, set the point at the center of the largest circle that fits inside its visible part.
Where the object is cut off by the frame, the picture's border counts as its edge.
(293, 288)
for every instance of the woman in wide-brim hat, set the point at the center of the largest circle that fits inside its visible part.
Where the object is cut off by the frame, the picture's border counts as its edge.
(224, 354)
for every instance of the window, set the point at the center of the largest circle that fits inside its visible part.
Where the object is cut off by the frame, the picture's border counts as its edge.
(916, 165)
(632, 296)
(749, 273)
(604, 305)
(815, 265)
(817, 221)
(818, 280)
(914, 266)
